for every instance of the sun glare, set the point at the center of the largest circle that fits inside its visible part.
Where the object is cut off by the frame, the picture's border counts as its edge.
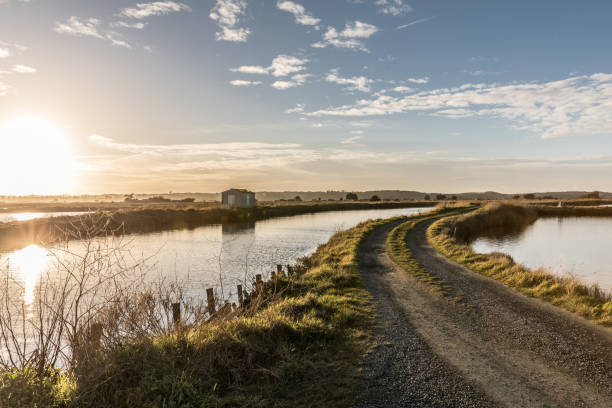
(36, 158)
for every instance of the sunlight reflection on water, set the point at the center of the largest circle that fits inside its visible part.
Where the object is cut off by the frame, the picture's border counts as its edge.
(29, 263)
(26, 216)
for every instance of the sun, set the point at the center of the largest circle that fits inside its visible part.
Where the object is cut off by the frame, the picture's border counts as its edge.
(35, 158)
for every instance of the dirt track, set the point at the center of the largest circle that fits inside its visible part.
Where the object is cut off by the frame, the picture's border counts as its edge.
(494, 347)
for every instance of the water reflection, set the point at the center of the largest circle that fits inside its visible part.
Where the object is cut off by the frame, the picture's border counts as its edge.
(218, 256)
(574, 246)
(29, 263)
(26, 216)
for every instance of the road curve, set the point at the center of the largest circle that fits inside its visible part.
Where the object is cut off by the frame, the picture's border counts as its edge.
(494, 347)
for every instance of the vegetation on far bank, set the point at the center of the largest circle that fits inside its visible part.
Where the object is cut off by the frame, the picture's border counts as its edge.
(19, 234)
(301, 345)
(452, 235)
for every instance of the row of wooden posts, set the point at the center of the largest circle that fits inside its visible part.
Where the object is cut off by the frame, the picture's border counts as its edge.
(212, 301)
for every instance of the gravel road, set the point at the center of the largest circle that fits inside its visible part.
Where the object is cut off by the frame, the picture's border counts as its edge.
(493, 347)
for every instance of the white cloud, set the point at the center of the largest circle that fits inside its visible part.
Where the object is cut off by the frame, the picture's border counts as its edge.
(227, 14)
(296, 80)
(350, 140)
(317, 125)
(23, 69)
(351, 37)
(115, 40)
(423, 80)
(403, 89)
(156, 8)
(359, 83)
(4, 52)
(393, 7)
(139, 25)
(239, 82)
(301, 15)
(281, 65)
(577, 105)
(361, 124)
(89, 28)
(80, 27)
(299, 108)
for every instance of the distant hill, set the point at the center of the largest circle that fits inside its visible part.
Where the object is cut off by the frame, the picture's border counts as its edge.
(304, 195)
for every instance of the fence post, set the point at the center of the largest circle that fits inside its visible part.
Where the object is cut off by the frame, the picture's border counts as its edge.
(240, 296)
(279, 269)
(258, 279)
(210, 296)
(176, 314)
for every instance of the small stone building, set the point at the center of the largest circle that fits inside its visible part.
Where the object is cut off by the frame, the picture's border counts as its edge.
(238, 198)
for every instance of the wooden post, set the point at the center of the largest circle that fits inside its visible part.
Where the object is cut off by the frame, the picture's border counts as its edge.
(176, 313)
(210, 296)
(258, 279)
(240, 296)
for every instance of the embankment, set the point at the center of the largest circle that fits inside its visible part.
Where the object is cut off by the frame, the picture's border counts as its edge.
(301, 349)
(451, 236)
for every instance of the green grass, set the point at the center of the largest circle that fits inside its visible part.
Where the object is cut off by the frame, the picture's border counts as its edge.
(450, 236)
(304, 348)
(400, 254)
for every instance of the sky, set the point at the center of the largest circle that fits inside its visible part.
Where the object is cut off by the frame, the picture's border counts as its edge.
(121, 96)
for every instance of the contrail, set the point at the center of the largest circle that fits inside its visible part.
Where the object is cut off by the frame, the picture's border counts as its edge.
(415, 23)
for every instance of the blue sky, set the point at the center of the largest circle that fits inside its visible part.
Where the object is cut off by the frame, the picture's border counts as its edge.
(314, 95)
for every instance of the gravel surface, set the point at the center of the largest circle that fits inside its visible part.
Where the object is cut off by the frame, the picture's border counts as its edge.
(494, 347)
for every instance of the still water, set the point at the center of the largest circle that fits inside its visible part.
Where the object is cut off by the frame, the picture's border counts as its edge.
(26, 216)
(572, 246)
(215, 256)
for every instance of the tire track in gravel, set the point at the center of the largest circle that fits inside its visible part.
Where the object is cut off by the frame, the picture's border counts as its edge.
(494, 348)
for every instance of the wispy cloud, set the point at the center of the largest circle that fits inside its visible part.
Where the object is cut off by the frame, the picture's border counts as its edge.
(156, 8)
(301, 15)
(239, 82)
(88, 27)
(574, 106)
(281, 65)
(423, 80)
(393, 7)
(139, 25)
(227, 14)
(23, 69)
(359, 83)
(296, 80)
(351, 37)
(403, 89)
(401, 27)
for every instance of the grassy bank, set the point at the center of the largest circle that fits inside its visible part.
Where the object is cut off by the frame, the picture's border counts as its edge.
(451, 236)
(19, 234)
(401, 254)
(303, 347)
